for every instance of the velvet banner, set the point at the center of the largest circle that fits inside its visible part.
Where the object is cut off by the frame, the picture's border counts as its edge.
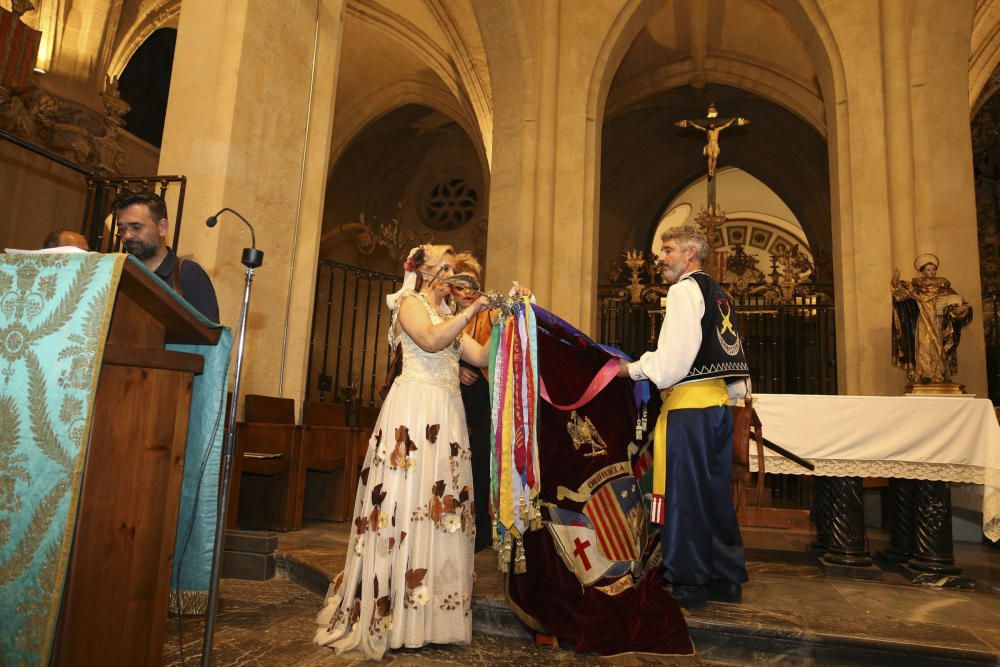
(18, 50)
(584, 581)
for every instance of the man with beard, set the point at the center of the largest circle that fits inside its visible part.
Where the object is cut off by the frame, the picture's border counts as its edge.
(700, 366)
(142, 227)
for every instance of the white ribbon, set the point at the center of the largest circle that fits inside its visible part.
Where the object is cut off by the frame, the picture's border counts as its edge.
(409, 284)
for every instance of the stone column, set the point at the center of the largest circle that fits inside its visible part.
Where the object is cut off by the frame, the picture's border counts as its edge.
(847, 555)
(821, 514)
(543, 59)
(901, 175)
(902, 497)
(249, 123)
(933, 549)
(945, 209)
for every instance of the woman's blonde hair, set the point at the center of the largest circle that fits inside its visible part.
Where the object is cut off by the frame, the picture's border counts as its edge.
(433, 255)
(466, 262)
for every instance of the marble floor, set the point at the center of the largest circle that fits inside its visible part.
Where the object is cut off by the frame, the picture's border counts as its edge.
(270, 623)
(790, 615)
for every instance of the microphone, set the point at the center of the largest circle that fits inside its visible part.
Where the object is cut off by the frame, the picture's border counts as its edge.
(252, 258)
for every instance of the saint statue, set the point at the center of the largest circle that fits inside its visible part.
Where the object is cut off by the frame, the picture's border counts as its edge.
(927, 320)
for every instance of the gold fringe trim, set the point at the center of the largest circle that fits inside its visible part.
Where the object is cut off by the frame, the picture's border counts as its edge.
(520, 566)
(188, 603)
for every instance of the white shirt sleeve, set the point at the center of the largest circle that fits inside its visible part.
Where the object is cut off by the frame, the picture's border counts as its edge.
(679, 341)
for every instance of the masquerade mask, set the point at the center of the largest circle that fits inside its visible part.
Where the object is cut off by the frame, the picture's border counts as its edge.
(464, 283)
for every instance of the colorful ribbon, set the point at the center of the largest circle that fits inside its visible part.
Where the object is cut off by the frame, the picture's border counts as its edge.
(515, 482)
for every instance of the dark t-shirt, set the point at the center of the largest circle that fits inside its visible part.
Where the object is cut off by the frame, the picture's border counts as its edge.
(196, 287)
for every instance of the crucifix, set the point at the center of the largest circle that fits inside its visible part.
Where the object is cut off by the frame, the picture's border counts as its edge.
(712, 126)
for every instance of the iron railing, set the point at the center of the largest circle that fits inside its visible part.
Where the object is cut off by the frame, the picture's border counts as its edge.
(348, 350)
(991, 328)
(790, 348)
(98, 224)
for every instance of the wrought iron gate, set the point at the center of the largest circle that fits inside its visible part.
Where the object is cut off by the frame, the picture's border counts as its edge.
(349, 350)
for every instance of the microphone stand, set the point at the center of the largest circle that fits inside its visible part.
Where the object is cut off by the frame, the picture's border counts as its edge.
(252, 259)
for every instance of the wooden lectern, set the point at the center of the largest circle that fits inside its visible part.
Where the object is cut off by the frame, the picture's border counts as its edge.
(114, 605)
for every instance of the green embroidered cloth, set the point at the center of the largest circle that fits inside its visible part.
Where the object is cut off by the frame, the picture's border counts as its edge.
(54, 316)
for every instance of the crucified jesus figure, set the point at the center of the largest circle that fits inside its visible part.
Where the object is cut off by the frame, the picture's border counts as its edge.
(712, 127)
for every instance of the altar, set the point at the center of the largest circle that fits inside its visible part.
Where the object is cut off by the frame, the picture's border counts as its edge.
(921, 443)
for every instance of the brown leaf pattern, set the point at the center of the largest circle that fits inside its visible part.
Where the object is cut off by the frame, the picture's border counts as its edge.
(382, 605)
(394, 471)
(415, 577)
(400, 457)
(434, 509)
(378, 495)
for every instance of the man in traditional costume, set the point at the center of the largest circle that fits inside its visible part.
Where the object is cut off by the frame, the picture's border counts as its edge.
(699, 363)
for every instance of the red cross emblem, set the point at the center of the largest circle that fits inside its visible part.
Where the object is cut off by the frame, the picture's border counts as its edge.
(581, 551)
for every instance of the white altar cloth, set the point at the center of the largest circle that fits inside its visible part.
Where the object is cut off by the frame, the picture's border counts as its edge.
(948, 439)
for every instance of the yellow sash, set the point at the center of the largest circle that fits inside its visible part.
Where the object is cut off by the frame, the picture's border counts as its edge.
(701, 394)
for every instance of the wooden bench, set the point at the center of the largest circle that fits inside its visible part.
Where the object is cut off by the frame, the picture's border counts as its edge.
(332, 454)
(266, 465)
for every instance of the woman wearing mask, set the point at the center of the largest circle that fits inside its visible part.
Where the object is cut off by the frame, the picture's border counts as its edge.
(407, 580)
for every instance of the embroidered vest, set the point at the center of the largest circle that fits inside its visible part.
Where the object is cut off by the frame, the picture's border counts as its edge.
(721, 353)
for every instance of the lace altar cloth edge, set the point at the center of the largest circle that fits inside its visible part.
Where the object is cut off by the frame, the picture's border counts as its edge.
(912, 437)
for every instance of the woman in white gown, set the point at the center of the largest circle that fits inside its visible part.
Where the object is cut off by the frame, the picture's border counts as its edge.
(408, 576)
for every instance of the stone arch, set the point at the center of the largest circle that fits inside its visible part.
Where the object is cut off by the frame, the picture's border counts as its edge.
(647, 161)
(804, 16)
(351, 120)
(160, 14)
(468, 84)
(766, 82)
(985, 55)
(808, 21)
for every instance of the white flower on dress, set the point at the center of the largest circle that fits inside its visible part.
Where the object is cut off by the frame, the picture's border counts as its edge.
(359, 545)
(383, 520)
(385, 624)
(381, 452)
(421, 595)
(451, 522)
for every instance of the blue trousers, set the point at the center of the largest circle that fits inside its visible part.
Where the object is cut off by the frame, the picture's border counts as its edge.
(700, 540)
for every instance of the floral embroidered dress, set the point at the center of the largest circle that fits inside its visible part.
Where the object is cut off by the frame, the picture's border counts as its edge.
(408, 576)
